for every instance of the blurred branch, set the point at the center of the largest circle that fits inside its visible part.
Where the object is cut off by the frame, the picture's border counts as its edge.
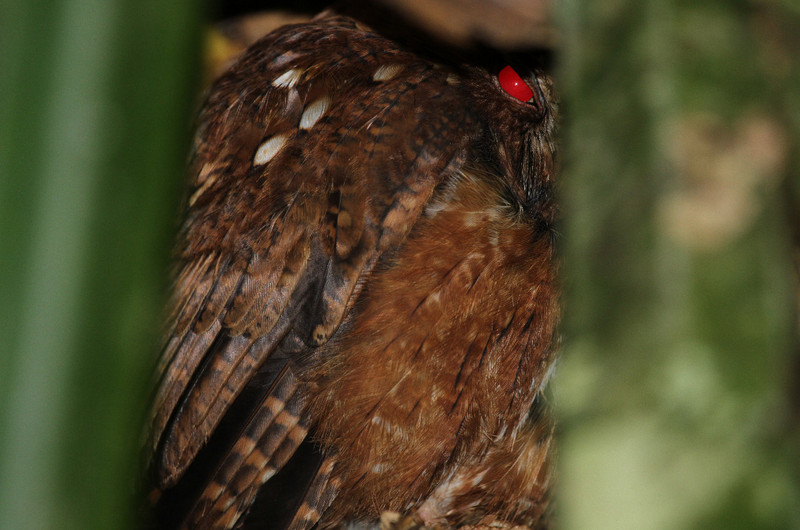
(505, 24)
(502, 24)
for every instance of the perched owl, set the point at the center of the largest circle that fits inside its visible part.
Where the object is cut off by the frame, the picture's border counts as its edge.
(364, 310)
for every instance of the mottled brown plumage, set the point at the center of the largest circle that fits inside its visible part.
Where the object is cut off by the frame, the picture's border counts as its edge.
(364, 312)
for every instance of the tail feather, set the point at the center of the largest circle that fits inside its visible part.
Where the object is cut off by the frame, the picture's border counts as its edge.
(318, 497)
(246, 465)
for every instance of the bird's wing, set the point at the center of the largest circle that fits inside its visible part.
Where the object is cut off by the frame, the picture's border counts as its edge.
(315, 154)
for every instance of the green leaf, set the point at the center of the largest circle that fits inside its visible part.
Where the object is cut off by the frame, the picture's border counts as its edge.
(94, 128)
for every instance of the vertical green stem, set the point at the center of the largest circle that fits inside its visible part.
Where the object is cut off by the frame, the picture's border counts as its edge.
(94, 129)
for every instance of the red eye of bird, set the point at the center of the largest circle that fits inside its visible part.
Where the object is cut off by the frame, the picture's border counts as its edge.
(512, 83)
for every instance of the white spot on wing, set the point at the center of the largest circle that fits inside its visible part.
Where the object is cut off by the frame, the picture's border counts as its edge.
(268, 474)
(286, 57)
(314, 112)
(472, 219)
(206, 183)
(435, 207)
(386, 72)
(494, 237)
(379, 468)
(288, 79)
(268, 149)
(547, 375)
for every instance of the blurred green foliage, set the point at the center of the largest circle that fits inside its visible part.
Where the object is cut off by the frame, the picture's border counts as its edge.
(681, 141)
(94, 130)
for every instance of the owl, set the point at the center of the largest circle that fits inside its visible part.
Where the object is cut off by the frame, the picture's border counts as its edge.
(364, 310)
